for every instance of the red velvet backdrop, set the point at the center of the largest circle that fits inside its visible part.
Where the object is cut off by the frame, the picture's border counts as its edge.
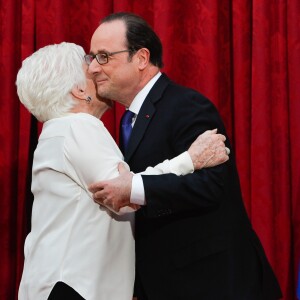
(244, 55)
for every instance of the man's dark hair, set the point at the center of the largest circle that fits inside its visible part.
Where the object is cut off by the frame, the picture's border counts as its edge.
(139, 35)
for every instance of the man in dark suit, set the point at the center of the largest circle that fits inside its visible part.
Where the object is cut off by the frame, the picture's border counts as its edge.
(193, 237)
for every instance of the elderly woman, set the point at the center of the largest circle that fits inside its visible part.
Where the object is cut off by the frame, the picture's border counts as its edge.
(75, 248)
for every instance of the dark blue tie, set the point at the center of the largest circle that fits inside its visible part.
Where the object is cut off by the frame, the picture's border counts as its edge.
(126, 129)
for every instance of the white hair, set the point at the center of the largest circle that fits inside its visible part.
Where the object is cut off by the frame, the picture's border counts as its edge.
(47, 77)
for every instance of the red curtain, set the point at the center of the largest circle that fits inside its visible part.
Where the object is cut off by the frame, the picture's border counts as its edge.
(244, 55)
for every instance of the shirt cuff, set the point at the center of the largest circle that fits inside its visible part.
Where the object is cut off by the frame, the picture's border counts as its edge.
(137, 195)
(182, 164)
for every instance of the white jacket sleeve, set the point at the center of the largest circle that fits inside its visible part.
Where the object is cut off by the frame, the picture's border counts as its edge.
(179, 165)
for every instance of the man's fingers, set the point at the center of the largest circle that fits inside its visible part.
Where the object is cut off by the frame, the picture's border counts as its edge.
(94, 187)
(100, 196)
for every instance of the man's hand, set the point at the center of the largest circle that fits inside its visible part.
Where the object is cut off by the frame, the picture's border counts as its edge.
(115, 193)
(209, 150)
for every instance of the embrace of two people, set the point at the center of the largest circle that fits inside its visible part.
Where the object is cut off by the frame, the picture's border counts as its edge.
(162, 218)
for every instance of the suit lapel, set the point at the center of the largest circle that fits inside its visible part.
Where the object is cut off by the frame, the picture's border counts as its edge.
(145, 115)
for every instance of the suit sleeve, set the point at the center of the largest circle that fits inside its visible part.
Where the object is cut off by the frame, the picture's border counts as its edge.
(202, 190)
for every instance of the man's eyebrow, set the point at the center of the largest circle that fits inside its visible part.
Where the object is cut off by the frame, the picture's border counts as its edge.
(98, 51)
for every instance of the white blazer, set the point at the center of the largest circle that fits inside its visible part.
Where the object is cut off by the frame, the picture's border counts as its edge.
(72, 239)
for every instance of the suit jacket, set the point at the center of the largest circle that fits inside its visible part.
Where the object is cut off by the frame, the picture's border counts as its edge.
(193, 238)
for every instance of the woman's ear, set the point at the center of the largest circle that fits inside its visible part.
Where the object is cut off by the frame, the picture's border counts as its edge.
(78, 93)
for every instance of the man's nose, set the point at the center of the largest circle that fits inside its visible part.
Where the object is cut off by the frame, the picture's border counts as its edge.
(94, 67)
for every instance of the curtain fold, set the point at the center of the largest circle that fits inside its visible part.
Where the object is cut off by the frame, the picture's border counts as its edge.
(243, 55)
(293, 63)
(270, 177)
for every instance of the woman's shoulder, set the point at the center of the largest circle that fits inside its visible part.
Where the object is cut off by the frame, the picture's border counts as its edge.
(71, 122)
(82, 117)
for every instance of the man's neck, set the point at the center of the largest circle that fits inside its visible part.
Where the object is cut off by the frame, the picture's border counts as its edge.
(145, 78)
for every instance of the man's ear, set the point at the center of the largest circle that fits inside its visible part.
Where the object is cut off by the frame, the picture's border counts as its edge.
(78, 93)
(143, 56)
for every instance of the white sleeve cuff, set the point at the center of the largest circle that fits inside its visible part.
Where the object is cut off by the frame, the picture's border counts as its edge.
(182, 164)
(137, 190)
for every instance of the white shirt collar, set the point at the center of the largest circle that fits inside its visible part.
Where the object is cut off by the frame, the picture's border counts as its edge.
(141, 96)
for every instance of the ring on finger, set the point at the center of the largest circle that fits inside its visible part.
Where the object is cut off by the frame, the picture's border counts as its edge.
(227, 150)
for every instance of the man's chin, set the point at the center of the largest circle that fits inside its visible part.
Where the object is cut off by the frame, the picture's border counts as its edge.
(108, 102)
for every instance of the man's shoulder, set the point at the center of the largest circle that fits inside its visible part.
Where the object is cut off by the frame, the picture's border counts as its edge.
(182, 95)
(179, 89)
